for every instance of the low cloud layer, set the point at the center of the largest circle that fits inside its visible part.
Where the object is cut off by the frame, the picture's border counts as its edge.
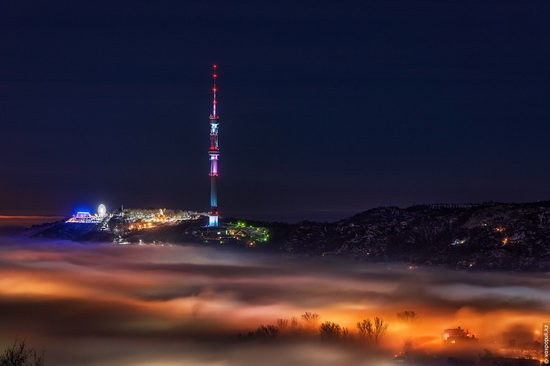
(106, 304)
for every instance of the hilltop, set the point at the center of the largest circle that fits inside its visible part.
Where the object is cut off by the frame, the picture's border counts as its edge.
(488, 236)
(491, 236)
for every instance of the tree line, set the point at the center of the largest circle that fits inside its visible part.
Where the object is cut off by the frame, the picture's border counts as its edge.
(370, 331)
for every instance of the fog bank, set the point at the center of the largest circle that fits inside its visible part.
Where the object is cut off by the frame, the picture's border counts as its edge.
(106, 304)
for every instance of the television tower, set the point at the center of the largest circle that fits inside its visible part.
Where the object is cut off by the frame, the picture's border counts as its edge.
(214, 152)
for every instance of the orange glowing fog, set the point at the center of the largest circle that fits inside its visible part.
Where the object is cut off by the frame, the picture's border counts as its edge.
(82, 302)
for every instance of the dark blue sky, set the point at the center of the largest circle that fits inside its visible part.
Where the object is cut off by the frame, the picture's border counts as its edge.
(326, 108)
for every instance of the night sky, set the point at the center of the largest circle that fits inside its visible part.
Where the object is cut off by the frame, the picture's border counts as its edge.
(327, 108)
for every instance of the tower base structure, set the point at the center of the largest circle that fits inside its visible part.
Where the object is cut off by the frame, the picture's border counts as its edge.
(213, 221)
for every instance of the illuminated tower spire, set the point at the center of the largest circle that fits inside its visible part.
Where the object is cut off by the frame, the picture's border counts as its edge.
(214, 152)
(214, 102)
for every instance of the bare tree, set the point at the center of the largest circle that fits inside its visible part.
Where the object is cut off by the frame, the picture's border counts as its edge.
(365, 328)
(407, 316)
(294, 325)
(310, 319)
(282, 324)
(267, 331)
(330, 331)
(19, 354)
(372, 330)
(380, 328)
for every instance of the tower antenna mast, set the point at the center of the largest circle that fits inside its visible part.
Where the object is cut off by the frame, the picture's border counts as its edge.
(214, 90)
(214, 153)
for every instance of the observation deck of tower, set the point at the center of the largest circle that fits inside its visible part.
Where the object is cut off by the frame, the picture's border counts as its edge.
(214, 153)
